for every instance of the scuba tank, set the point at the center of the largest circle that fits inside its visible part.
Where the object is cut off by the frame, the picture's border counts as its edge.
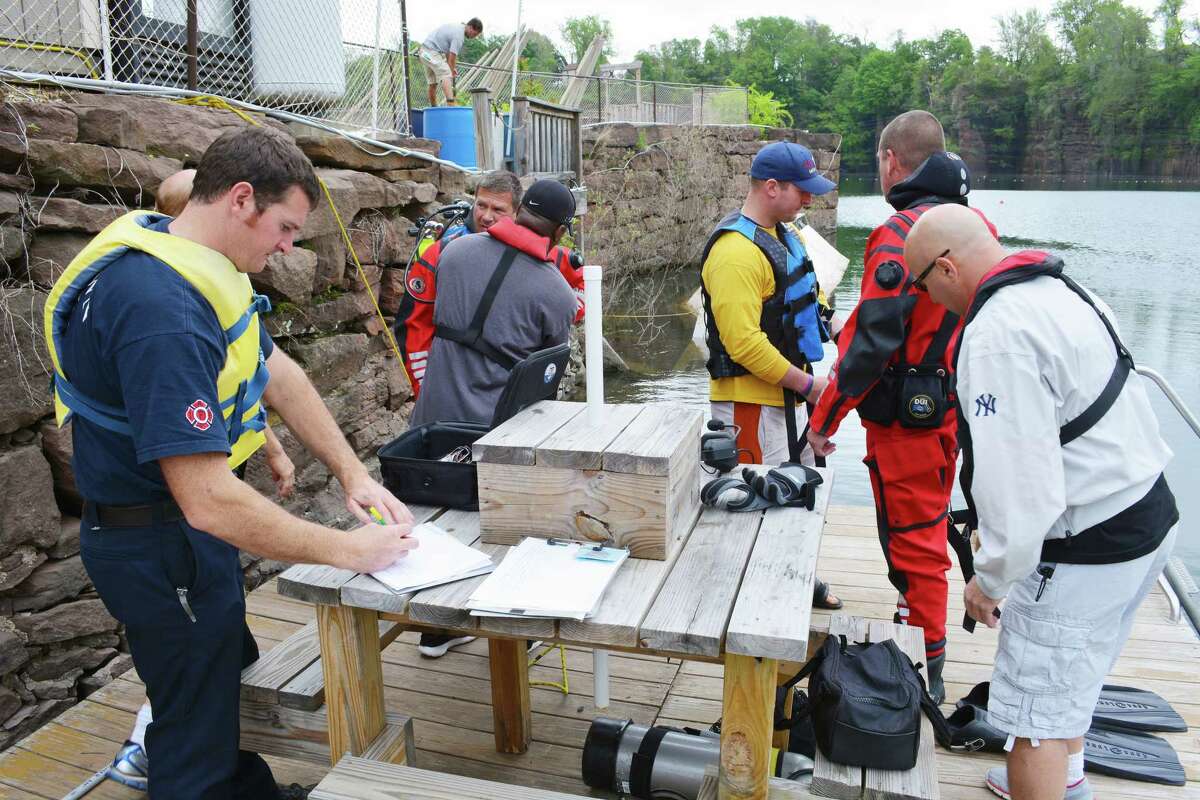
(662, 763)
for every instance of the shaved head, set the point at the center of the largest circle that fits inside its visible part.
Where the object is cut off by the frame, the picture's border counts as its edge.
(913, 136)
(957, 242)
(174, 192)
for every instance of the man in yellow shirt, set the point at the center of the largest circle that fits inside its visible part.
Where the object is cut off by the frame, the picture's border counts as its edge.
(763, 318)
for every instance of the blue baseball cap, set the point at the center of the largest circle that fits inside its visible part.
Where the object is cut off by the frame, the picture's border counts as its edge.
(791, 162)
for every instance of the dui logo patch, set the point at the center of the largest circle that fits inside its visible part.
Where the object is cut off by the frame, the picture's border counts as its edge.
(921, 406)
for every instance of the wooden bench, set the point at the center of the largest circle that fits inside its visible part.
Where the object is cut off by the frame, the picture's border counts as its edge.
(356, 778)
(852, 783)
(283, 704)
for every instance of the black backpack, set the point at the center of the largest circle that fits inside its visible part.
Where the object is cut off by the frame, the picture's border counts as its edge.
(865, 702)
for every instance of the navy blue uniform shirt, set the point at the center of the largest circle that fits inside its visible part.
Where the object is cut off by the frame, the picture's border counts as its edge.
(144, 339)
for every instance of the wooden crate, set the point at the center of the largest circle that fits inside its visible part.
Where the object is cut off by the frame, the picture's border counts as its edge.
(629, 482)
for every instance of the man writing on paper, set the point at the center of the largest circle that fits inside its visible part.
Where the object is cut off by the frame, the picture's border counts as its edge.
(160, 359)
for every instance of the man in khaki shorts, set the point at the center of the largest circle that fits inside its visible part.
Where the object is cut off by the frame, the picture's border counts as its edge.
(439, 52)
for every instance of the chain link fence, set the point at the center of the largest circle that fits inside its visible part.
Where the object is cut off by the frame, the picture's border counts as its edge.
(339, 61)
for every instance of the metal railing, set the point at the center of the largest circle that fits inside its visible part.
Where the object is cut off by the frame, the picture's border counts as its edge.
(339, 61)
(1176, 581)
(604, 99)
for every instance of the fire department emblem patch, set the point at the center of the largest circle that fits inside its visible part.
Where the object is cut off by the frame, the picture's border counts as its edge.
(199, 415)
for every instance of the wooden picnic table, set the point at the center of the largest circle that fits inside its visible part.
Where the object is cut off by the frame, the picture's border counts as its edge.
(737, 590)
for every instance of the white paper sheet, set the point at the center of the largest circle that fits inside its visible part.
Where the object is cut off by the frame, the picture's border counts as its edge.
(440, 558)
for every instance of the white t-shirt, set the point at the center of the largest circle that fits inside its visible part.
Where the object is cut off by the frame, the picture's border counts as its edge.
(1034, 358)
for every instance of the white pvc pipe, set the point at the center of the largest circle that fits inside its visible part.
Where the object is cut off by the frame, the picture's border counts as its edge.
(375, 70)
(593, 355)
(600, 678)
(512, 92)
(594, 369)
(106, 42)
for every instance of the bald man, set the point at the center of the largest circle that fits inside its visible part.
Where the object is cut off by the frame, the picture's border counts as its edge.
(173, 193)
(1063, 474)
(893, 367)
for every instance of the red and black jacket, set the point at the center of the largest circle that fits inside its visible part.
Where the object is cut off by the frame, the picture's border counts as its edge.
(414, 327)
(893, 322)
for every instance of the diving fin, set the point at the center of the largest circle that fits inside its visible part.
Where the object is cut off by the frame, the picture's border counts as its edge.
(1120, 753)
(1132, 755)
(1121, 708)
(1128, 709)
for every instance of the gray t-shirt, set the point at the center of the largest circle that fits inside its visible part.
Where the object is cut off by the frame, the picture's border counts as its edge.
(533, 310)
(447, 38)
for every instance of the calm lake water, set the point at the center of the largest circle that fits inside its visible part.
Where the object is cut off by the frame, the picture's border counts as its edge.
(1133, 247)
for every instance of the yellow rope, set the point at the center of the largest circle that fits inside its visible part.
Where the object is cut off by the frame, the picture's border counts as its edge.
(362, 274)
(565, 686)
(54, 48)
(211, 101)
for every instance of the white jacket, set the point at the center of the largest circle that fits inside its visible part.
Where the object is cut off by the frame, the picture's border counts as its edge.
(1035, 356)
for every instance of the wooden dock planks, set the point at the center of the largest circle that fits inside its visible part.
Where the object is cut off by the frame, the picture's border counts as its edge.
(449, 697)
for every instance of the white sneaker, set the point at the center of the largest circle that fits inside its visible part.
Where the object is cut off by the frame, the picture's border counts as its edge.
(130, 767)
(435, 645)
(997, 781)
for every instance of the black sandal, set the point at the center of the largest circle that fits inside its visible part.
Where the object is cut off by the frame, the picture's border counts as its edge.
(821, 597)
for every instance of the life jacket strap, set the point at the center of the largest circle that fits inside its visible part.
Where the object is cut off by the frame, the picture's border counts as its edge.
(261, 304)
(108, 417)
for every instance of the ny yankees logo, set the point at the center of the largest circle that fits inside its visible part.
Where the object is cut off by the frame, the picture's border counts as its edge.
(985, 405)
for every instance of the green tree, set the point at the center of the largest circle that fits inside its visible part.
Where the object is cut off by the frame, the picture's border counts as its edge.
(1023, 37)
(538, 54)
(578, 32)
(477, 48)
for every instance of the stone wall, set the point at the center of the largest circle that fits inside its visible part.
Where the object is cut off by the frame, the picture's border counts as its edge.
(656, 191)
(70, 165)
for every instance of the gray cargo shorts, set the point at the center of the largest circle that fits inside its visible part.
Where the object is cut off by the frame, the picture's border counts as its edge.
(1055, 651)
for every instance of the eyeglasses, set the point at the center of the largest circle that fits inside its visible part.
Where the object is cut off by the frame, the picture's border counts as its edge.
(919, 283)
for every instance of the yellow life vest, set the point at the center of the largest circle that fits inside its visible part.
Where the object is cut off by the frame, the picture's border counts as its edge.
(243, 378)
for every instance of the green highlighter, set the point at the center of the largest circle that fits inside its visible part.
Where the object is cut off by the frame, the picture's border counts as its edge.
(375, 515)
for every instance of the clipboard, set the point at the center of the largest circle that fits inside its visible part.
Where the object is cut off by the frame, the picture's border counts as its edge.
(548, 578)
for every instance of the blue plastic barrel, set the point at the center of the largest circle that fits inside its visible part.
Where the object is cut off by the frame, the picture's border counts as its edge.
(417, 115)
(454, 127)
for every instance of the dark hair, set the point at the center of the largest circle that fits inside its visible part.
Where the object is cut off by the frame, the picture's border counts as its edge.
(475, 23)
(267, 160)
(913, 136)
(501, 181)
